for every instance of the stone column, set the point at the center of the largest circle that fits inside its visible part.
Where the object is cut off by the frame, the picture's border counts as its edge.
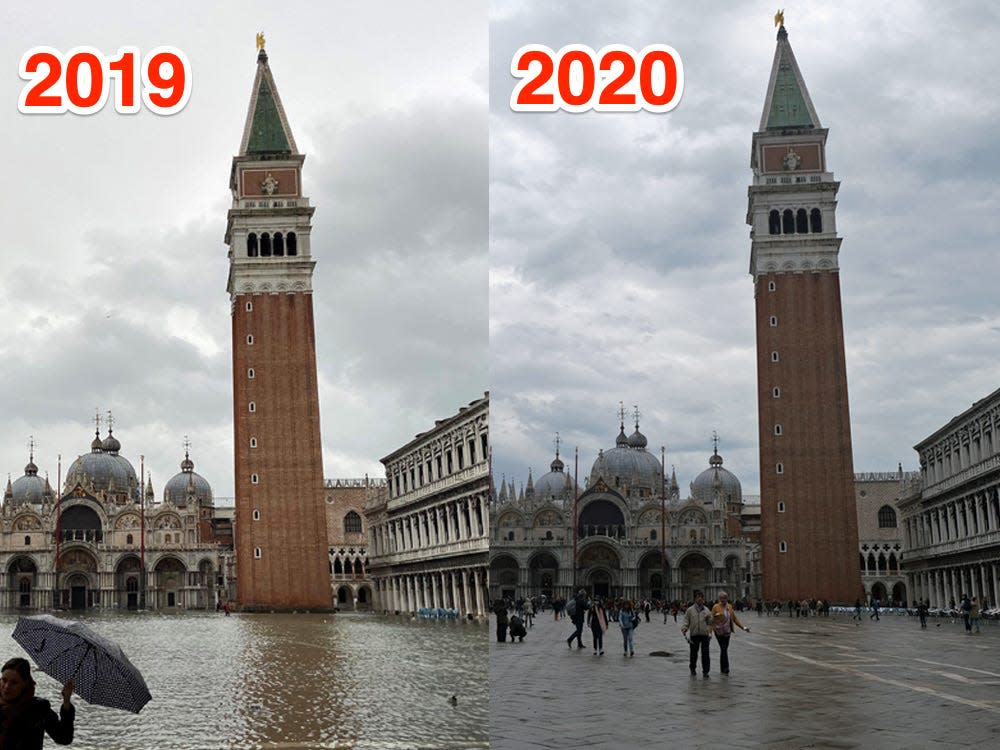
(996, 585)
(481, 607)
(454, 590)
(459, 531)
(467, 593)
(434, 591)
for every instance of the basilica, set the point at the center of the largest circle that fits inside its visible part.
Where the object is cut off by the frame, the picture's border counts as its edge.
(90, 544)
(634, 536)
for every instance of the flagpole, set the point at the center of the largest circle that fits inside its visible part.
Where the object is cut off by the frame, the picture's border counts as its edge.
(576, 500)
(142, 532)
(663, 518)
(55, 593)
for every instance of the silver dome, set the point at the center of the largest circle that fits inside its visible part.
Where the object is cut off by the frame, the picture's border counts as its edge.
(102, 471)
(554, 484)
(634, 467)
(188, 482)
(716, 478)
(30, 488)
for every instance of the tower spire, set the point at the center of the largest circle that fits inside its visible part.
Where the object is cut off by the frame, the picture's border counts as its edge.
(266, 132)
(787, 104)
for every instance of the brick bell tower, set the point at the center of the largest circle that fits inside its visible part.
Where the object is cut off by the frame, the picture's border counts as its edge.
(809, 521)
(281, 542)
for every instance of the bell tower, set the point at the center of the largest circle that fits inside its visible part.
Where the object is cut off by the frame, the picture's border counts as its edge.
(809, 531)
(281, 540)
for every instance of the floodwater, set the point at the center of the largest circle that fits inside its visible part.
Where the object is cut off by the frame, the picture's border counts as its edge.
(344, 681)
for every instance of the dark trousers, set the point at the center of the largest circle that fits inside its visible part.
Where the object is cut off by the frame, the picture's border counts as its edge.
(578, 633)
(723, 652)
(501, 632)
(700, 642)
(598, 639)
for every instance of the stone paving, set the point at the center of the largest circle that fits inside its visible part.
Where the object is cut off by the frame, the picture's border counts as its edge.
(794, 683)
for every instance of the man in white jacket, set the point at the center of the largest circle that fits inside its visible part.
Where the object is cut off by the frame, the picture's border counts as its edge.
(698, 621)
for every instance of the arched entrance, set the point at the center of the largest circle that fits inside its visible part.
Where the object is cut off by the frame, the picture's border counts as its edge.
(695, 573)
(22, 576)
(600, 567)
(169, 583)
(879, 592)
(544, 574)
(602, 518)
(81, 523)
(364, 598)
(344, 598)
(127, 581)
(651, 570)
(899, 595)
(78, 589)
(503, 576)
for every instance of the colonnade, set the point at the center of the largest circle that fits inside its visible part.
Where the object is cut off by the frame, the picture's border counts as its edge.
(463, 589)
(961, 518)
(943, 585)
(453, 520)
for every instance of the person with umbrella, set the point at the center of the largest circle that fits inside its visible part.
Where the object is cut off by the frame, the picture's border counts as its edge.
(24, 719)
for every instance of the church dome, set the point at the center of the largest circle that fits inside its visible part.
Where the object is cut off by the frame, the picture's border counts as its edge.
(110, 444)
(637, 439)
(100, 470)
(188, 482)
(716, 478)
(555, 484)
(31, 488)
(628, 463)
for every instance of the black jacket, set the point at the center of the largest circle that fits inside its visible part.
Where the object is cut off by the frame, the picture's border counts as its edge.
(26, 730)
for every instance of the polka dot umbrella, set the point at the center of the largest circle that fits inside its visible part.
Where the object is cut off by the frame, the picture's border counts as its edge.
(69, 650)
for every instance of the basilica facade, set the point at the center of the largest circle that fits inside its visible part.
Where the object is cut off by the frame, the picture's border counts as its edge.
(104, 540)
(631, 535)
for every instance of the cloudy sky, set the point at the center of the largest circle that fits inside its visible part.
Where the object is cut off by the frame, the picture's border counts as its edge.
(113, 269)
(620, 253)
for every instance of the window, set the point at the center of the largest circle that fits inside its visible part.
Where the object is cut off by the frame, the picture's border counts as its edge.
(776, 392)
(27, 540)
(128, 539)
(781, 506)
(510, 536)
(256, 552)
(250, 373)
(788, 221)
(253, 442)
(774, 356)
(771, 286)
(352, 523)
(472, 451)
(777, 429)
(290, 244)
(252, 245)
(774, 222)
(279, 244)
(265, 245)
(779, 468)
(250, 340)
(886, 517)
(254, 479)
(816, 220)
(652, 535)
(256, 515)
(774, 321)
(782, 546)
(461, 458)
(249, 306)
(252, 406)
(548, 535)
(801, 221)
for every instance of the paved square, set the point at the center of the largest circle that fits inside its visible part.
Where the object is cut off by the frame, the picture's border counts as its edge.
(794, 683)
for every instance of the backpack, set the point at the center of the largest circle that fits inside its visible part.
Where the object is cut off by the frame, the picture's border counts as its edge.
(570, 608)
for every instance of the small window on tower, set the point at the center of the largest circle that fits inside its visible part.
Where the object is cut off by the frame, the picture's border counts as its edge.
(774, 356)
(249, 306)
(774, 222)
(279, 244)
(777, 429)
(801, 221)
(291, 245)
(774, 321)
(256, 552)
(265, 245)
(771, 286)
(779, 468)
(252, 245)
(254, 479)
(816, 220)
(251, 374)
(252, 406)
(788, 221)
(250, 339)
(256, 515)
(776, 392)
(253, 442)
(781, 506)
(782, 546)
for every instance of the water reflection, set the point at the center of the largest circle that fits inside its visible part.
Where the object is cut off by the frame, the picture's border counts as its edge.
(290, 681)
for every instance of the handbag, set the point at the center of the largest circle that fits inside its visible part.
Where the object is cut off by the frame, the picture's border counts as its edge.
(635, 621)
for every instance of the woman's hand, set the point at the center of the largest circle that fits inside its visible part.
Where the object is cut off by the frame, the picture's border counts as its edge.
(67, 691)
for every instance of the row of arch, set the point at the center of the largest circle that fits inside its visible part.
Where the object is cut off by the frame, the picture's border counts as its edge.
(267, 245)
(795, 222)
(872, 565)
(348, 567)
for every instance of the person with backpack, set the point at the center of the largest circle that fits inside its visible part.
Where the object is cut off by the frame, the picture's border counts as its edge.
(576, 608)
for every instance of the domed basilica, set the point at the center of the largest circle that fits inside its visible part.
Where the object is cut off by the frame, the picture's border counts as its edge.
(105, 541)
(634, 535)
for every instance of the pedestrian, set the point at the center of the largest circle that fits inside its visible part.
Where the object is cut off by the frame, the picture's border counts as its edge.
(974, 614)
(966, 607)
(724, 617)
(25, 719)
(698, 622)
(857, 610)
(579, 610)
(500, 610)
(645, 609)
(529, 612)
(874, 614)
(517, 629)
(597, 618)
(922, 614)
(760, 607)
(628, 619)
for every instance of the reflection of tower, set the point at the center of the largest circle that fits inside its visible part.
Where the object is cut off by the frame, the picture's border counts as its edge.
(809, 534)
(280, 517)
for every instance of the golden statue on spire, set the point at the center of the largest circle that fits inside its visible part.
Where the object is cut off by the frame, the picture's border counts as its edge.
(260, 40)
(779, 18)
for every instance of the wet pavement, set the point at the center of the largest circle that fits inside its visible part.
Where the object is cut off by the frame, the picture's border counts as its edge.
(793, 683)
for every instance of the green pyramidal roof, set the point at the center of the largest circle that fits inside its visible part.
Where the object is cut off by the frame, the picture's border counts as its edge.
(788, 104)
(267, 135)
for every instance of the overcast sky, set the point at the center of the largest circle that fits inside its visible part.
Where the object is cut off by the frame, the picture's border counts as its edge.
(113, 269)
(620, 253)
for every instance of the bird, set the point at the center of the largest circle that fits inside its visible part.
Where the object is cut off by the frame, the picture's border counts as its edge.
(453, 700)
